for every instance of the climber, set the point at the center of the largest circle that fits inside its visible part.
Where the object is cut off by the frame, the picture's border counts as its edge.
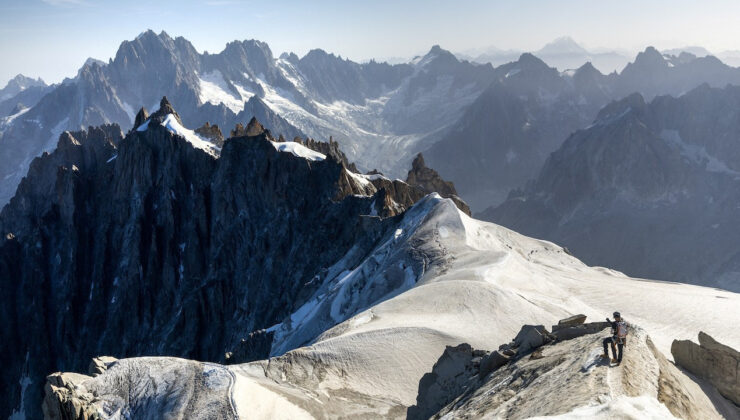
(618, 338)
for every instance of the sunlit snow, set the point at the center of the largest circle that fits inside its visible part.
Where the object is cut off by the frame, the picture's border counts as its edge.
(215, 90)
(298, 149)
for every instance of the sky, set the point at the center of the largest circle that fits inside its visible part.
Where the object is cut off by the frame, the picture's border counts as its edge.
(53, 38)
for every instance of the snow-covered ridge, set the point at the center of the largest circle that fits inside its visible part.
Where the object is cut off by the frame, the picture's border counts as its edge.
(298, 149)
(171, 123)
(380, 321)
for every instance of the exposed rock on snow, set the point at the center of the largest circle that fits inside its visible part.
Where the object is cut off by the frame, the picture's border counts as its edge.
(710, 360)
(571, 377)
(571, 321)
(100, 364)
(212, 133)
(430, 181)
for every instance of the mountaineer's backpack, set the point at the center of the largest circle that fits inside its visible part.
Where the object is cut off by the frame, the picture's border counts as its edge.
(621, 329)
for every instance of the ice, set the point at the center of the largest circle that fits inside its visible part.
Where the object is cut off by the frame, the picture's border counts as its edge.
(111, 159)
(143, 126)
(298, 149)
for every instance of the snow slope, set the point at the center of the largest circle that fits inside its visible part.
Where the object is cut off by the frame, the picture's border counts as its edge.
(374, 328)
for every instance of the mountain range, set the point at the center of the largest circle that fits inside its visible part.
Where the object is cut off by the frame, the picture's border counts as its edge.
(162, 243)
(562, 53)
(504, 137)
(382, 115)
(650, 188)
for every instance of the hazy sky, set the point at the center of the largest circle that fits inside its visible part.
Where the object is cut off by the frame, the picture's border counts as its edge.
(52, 38)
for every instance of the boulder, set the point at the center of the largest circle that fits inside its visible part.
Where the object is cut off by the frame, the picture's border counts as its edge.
(569, 333)
(100, 364)
(712, 361)
(570, 322)
(492, 362)
(530, 337)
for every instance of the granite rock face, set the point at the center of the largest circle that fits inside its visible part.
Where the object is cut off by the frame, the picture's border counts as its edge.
(145, 245)
(713, 361)
(429, 181)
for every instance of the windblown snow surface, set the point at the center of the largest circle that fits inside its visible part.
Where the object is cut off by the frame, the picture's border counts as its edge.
(361, 344)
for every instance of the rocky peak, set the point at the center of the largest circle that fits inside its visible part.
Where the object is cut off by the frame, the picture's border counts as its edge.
(165, 108)
(587, 71)
(651, 58)
(429, 181)
(21, 82)
(530, 62)
(254, 128)
(141, 117)
(438, 56)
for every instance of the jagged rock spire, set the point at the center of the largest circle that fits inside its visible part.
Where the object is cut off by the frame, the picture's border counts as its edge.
(141, 116)
(211, 132)
(418, 163)
(165, 108)
(428, 180)
(254, 128)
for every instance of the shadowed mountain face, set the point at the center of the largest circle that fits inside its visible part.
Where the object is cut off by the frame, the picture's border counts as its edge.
(650, 189)
(159, 243)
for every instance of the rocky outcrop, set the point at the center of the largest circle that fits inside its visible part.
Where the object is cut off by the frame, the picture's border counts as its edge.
(571, 321)
(141, 117)
(429, 181)
(461, 369)
(452, 374)
(716, 363)
(165, 109)
(65, 399)
(567, 374)
(212, 133)
(330, 148)
(100, 364)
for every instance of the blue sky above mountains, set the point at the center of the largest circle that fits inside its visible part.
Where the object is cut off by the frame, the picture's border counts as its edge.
(52, 38)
